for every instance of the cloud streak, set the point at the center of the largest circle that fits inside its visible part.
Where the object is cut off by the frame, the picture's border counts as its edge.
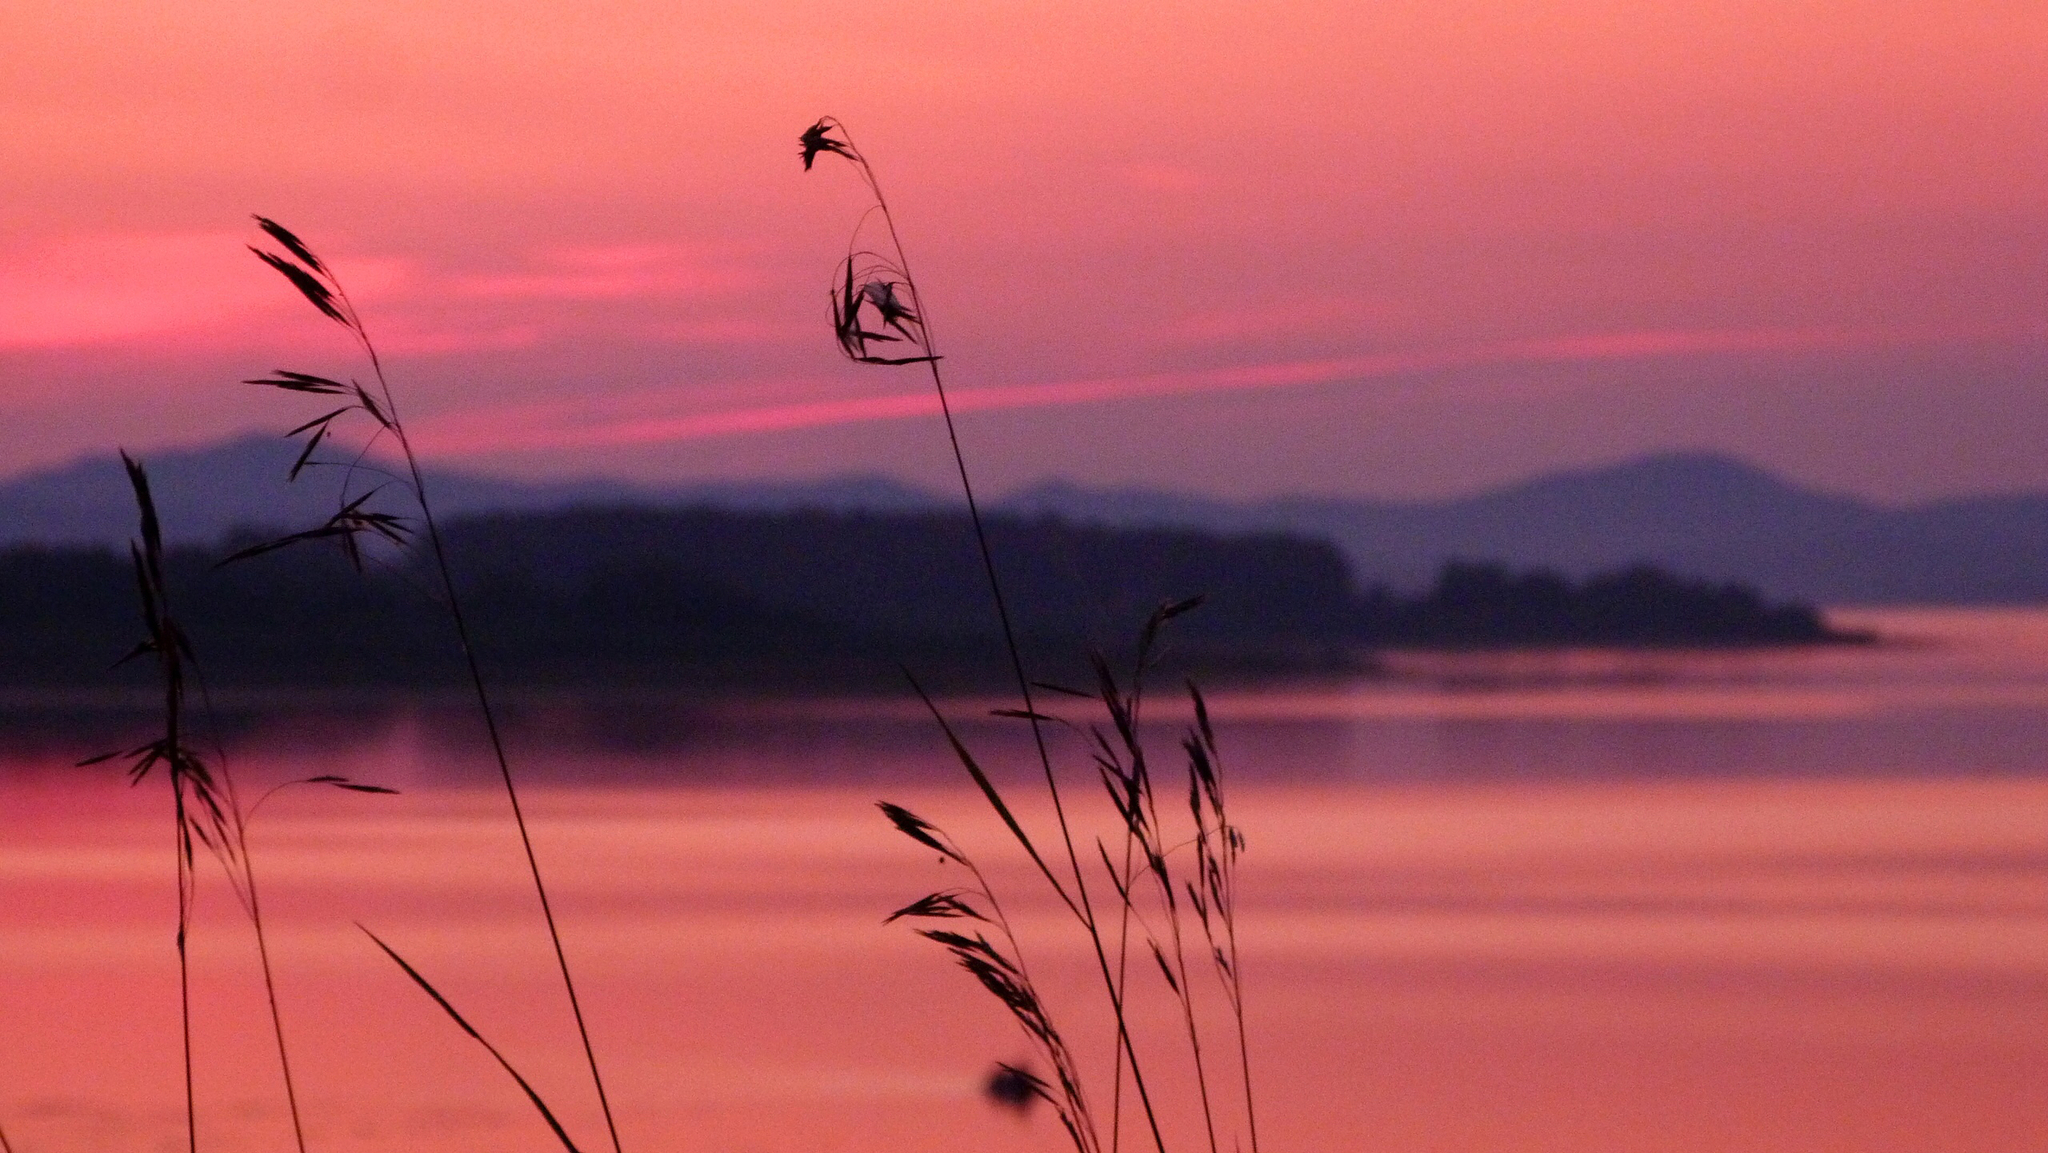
(542, 429)
(110, 289)
(201, 289)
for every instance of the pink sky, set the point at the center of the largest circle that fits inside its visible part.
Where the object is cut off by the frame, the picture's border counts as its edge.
(1392, 249)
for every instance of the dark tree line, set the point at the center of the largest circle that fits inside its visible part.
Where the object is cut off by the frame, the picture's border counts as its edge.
(1487, 605)
(710, 597)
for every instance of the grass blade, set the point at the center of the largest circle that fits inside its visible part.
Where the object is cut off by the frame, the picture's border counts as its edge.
(315, 292)
(292, 243)
(325, 291)
(995, 798)
(546, 1113)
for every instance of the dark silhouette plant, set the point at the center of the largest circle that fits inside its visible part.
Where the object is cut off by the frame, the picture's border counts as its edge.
(880, 318)
(206, 810)
(354, 523)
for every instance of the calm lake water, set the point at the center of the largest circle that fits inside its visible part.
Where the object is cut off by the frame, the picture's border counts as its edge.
(1592, 902)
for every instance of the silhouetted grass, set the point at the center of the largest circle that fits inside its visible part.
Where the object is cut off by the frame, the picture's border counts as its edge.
(546, 1113)
(205, 807)
(1174, 881)
(198, 806)
(875, 302)
(354, 522)
(1172, 875)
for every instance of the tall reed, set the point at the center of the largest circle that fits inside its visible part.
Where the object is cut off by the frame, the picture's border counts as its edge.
(876, 304)
(1174, 880)
(354, 520)
(199, 806)
(205, 806)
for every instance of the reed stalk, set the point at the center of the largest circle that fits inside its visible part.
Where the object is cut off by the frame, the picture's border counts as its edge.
(205, 805)
(353, 521)
(875, 305)
(878, 283)
(240, 867)
(198, 807)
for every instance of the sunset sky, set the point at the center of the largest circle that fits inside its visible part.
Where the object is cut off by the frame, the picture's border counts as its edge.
(1398, 248)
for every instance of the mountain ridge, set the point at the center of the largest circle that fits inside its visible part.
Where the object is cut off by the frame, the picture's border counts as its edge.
(1699, 515)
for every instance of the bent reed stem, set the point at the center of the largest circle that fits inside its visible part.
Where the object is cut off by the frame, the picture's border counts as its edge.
(252, 904)
(323, 289)
(1079, 903)
(483, 699)
(490, 717)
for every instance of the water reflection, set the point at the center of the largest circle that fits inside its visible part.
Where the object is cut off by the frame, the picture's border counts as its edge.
(1950, 692)
(1596, 902)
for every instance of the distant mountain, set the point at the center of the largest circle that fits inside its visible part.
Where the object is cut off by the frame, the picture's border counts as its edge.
(205, 493)
(1699, 515)
(1696, 515)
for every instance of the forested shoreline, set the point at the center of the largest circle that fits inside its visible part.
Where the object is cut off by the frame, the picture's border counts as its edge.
(814, 599)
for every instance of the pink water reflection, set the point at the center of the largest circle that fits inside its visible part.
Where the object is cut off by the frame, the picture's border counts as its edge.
(1569, 901)
(1845, 965)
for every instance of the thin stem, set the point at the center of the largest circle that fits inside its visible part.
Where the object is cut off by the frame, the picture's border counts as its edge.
(1163, 876)
(1123, 931)
(1123, 957)
(175, 769)
(284, 1060)
(1216, 862)
(1229, 915)
(252, 903)
(1187, 1007)
(1244, 1059)
(476, 679)
(1124, 882)
(1086, 910)
(1225, 899)
(184, 848)
(1037, 730)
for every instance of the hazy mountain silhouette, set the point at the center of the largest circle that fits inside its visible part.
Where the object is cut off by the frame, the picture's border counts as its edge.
(1697, 515)
(205, 493)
